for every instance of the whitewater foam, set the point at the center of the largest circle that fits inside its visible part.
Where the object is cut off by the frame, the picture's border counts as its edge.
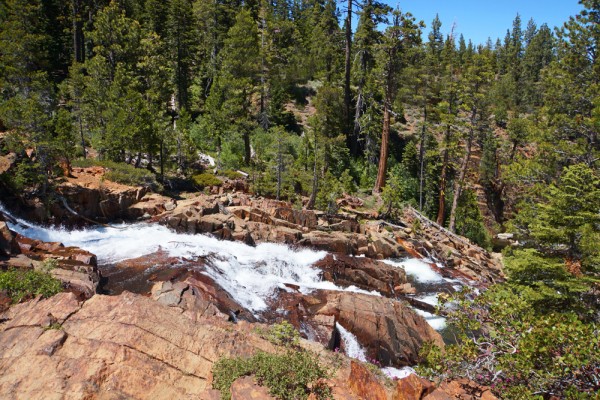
(420, 270)
(351, 345)
(249, 274)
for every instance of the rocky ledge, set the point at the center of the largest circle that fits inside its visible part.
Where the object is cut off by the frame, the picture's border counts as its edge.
(75, 268)
(130, 346)
(241, 217)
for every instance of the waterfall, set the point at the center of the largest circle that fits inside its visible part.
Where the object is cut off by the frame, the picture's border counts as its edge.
(353, 348)
(356, 351)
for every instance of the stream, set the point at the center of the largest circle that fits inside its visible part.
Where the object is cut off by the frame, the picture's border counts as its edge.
(250, 275)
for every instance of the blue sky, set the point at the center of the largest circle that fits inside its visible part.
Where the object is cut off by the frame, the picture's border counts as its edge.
(478, 19)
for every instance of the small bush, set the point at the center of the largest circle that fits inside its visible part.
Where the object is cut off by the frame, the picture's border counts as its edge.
(21, 285)
(283, 334)
(291, 375)
(231, 174)
(205, 179)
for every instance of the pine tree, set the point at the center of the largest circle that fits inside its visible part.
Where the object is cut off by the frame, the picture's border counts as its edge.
(397, 42)
(181, 41)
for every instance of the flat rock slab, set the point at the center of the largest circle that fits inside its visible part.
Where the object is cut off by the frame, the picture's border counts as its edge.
(126, 346)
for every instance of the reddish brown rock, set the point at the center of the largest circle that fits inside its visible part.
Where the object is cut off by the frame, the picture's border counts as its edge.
(8, 246)
(362, 272)
(390, 330)
(333, 242)
(412, 387)
(246, 388)
(461, 389)
(364, 384)
(125, 346)
(75, 267)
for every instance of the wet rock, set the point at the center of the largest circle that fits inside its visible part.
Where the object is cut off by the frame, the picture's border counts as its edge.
(8, 245)
(390, 330)
(362, 272)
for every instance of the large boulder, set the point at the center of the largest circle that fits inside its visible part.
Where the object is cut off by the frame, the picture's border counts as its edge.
(362, 272)
(390, 330)
(8, 245)
(362, 382)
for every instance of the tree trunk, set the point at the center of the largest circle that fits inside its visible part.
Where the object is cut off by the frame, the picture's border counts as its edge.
(162, 160)
(444, 180)
(81, 133)
(356, 131)
(247, 149)
(279, 165)
(383, 154)
(78, 38)
(458, 185)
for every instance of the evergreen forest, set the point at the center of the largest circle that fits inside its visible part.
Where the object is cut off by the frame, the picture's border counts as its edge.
(317, 99)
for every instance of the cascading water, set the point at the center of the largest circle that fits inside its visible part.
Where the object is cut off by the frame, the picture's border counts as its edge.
(249, 274)
(356, 351)
(428, 284)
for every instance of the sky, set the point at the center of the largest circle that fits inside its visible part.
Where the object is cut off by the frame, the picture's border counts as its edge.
(479, 19)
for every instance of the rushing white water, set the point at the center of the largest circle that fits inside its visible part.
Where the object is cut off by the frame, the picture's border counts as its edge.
(420, 270)
(435, 321)
(356, 351)
(353, 348)
(249, 274)
(398, 373)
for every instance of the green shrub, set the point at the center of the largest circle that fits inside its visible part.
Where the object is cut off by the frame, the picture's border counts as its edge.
(292, 375)
(282, 333)
(231, 174)
(21, 285)
(206, 179)
(502, 342)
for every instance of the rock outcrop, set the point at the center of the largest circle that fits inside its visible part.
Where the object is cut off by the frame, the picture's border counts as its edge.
(362, 272)
(74, 267)
(131, 346)
(126, 346)
(390, 331)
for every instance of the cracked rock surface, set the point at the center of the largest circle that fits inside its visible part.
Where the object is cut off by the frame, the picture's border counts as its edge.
(112, 347)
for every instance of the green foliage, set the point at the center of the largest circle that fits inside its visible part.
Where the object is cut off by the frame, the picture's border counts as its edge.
(392, 193)
(123, 173)
(206, 179)
(294, 374)
(469, 221)
(330, 190)
(231, 174)
(521, 354)
(555, 287)
(25, 284)
(283, 334)
(569, 213)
